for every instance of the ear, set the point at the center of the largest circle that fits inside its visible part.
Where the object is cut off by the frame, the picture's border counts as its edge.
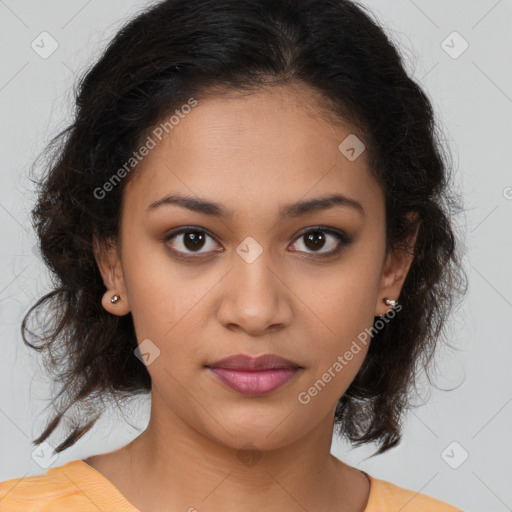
(107, 257)
(396, 267)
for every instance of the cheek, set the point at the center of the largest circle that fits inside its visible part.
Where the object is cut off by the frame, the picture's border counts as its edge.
(338, 353)
(162, 309)
(157, 301)
(344, 315)
(344, 301)
(169, 306)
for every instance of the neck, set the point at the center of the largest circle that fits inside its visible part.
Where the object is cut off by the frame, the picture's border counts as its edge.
(186, 469)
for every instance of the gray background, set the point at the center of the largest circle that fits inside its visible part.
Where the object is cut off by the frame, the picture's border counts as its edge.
(473, 98)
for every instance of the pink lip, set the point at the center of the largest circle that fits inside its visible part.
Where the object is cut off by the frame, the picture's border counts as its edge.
(254, 383)
(248, 363)
(254, 376)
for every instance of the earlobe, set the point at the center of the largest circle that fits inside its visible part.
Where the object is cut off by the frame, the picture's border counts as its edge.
(395, 271)
(114, 303)
(114, 299)
(392, 280)
(389, 302)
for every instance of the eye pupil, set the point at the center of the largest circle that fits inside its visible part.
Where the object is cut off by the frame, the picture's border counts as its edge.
(317, 240)
(194, 240)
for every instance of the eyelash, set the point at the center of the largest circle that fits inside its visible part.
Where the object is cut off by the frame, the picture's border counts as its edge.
(342, 237)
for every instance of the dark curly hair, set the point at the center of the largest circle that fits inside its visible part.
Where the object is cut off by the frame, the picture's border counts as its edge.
(178, 49)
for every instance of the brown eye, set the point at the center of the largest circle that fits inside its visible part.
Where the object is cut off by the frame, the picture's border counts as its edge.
(190, 241)
(193, 240)
(317, 239)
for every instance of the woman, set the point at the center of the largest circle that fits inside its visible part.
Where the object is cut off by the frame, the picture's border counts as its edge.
(249, 218)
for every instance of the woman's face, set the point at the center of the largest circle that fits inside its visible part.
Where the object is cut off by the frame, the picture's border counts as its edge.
(262, 272)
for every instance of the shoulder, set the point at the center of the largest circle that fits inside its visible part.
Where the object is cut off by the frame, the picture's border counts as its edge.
(66, 488)
(34, 493)
(388, 497)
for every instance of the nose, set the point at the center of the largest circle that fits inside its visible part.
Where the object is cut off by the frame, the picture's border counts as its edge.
(255, 298)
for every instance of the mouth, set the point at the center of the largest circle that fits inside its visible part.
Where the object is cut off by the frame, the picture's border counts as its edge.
(254, 376)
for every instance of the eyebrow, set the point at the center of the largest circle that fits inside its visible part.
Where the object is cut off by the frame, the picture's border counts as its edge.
(293, 210)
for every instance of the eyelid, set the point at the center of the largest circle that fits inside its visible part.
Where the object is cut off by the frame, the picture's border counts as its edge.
(185, 229)
(344, 237)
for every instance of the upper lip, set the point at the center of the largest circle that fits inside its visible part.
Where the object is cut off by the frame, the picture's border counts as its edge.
(244, 362)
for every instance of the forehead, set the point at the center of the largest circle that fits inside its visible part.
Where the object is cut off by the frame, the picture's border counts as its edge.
(276, 145)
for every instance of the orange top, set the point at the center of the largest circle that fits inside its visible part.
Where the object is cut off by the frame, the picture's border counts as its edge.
(78, 487)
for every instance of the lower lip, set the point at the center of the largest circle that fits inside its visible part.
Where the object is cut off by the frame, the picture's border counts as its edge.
(254, 383)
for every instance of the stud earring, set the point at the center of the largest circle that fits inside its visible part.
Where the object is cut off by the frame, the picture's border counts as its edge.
(390, 302)
(115, 298)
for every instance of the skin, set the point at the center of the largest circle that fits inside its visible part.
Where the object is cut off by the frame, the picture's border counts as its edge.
(271, 148)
